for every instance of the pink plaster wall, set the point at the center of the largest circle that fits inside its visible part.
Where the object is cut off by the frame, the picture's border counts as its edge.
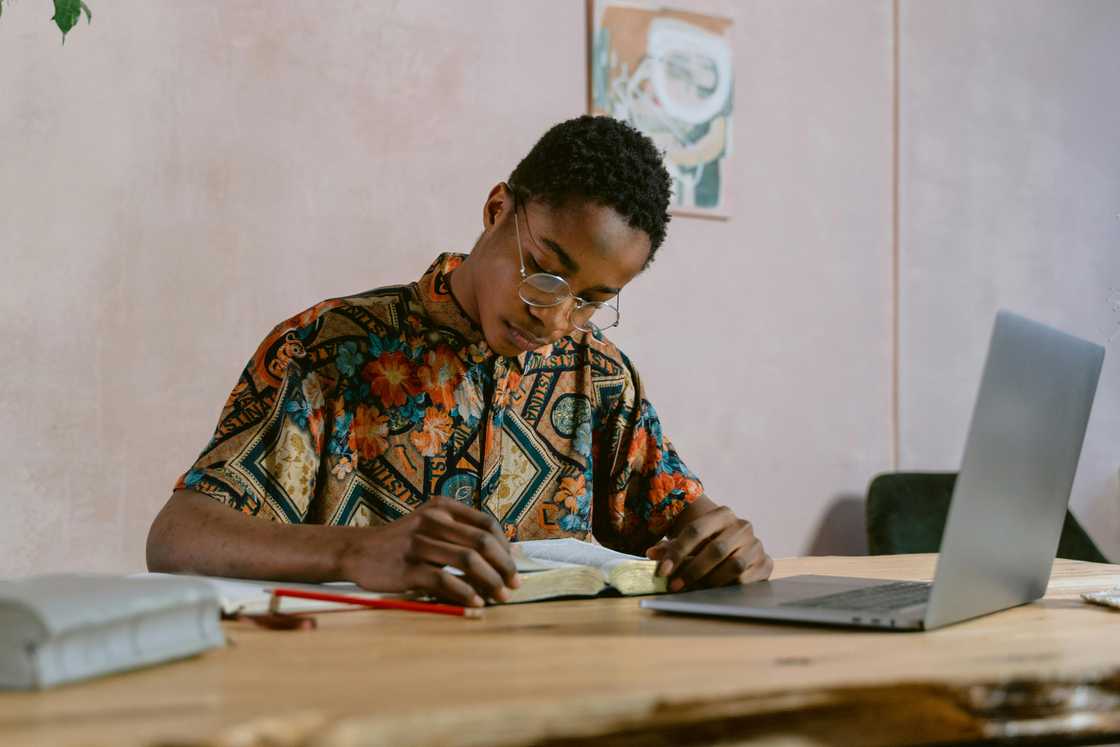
(180, 176)
(1010, 198)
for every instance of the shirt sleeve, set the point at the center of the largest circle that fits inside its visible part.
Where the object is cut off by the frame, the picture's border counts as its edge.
(641, 484)
(264, 456)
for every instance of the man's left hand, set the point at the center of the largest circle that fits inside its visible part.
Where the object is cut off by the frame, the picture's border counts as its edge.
(708, 545)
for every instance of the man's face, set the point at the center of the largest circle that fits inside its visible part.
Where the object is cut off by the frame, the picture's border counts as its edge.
(591, 246)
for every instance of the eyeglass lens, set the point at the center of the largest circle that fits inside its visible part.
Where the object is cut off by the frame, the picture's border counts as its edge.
(546, 291)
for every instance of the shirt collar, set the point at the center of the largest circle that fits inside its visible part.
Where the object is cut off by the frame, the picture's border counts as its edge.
(434, 290)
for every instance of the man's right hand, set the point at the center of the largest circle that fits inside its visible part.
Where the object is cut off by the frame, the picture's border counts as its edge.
(410, 553)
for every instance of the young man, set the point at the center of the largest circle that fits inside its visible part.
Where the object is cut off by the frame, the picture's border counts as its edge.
(390, 434)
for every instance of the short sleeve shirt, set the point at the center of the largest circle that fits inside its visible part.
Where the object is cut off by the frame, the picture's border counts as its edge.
(358, 410)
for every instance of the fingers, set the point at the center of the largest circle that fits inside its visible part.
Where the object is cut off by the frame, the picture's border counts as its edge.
(471, 531)
(759, 573)
(745, 566)
(444, 585)
(468, 515)
(689, 540)
(731, 542)
(478, 574)
(715, 549)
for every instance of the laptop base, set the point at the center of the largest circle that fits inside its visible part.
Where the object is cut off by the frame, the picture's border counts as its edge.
(779, 601)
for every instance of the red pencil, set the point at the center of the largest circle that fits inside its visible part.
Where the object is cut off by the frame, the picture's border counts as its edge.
(381, 604)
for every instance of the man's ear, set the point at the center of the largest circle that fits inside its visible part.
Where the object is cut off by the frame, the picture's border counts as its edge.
(498, 203)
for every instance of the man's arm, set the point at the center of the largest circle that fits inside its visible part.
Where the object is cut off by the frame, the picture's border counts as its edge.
(708, 545)
(195, 534)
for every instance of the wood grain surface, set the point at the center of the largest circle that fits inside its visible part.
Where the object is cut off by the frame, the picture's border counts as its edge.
(605, 672)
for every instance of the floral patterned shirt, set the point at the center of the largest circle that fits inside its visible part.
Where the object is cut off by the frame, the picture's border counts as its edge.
(357, 410)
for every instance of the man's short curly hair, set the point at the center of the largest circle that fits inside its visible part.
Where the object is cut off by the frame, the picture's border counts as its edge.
(604, 161)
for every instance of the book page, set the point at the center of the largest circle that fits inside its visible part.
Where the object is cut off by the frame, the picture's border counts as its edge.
(568, 551)
(250, 596)
(526, 564)
(629, 574)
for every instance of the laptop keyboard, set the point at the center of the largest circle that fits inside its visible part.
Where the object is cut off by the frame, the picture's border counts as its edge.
(890, 596)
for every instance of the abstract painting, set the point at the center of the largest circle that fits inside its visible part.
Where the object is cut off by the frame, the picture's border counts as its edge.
(669, 73)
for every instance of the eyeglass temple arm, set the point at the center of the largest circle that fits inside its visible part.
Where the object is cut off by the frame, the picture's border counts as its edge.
(517, 231)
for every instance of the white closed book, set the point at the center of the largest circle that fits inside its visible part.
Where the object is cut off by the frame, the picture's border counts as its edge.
(65, 627)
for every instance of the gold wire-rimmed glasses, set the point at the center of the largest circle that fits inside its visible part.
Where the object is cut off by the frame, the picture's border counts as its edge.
(544, 290)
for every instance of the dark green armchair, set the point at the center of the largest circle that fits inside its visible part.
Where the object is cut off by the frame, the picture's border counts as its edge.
(906, 512)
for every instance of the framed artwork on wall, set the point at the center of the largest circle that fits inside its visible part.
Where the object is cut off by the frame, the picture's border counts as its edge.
(669, 73)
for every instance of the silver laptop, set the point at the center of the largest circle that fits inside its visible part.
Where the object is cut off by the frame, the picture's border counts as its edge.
(1006, 513)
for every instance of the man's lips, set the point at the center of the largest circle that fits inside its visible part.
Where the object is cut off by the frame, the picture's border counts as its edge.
(523, 339)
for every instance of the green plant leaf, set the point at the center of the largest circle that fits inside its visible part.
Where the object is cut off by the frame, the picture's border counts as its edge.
(68, 16)
(69, 12)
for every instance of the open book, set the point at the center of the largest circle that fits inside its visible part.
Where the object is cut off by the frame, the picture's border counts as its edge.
(548, 568)
(571, 567)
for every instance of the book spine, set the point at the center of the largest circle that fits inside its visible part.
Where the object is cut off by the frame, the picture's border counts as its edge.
(129, 643)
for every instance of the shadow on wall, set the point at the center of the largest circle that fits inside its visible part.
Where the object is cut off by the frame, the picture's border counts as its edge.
(843, 528)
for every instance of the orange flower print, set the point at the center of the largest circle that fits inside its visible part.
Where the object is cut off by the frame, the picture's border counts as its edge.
(440, 376)
(664, 483)
(638, 441)
(392, 378)
(477, 352)
(692, 489)
(661, 485)
(663, 516)
(344, 467)
(643, 450)
(571, 494)
(369, 432)
(570, 491)
(433, 434)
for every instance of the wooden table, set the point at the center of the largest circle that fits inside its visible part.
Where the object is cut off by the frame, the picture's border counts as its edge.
(605, 672)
